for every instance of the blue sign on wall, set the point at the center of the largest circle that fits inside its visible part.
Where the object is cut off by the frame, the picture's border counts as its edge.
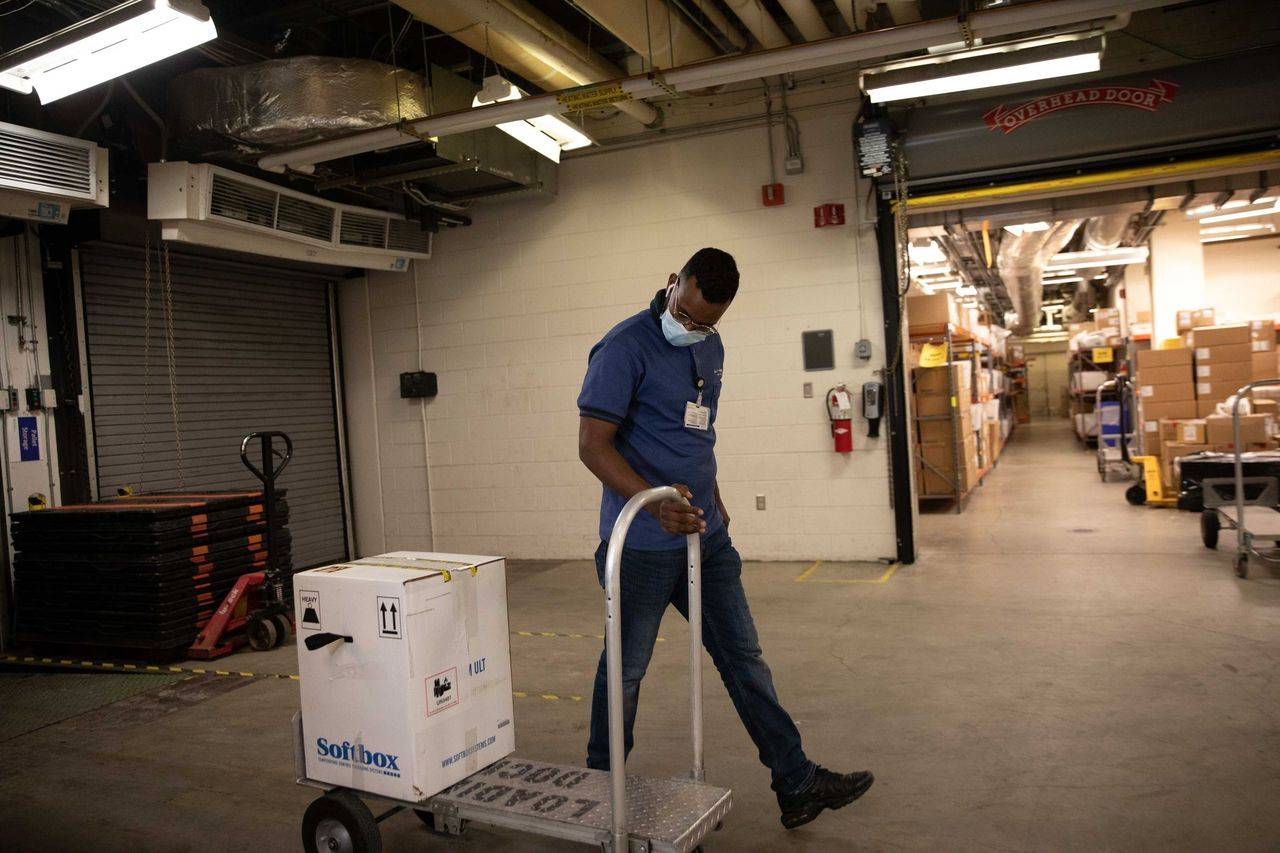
(28, 439)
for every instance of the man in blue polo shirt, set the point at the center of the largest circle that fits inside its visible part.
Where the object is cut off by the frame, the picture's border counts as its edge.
(648, 412)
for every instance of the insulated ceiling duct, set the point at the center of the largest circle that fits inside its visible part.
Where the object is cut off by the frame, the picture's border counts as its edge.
(1021, 264)
(287, 102)
(1105, 232)
(519, 37)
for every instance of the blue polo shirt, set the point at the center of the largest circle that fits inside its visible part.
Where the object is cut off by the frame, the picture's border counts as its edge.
(639, 381)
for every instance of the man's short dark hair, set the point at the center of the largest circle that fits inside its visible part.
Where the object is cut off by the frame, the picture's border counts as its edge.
(716, 274)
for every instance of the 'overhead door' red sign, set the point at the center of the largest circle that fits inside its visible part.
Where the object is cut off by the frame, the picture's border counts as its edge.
(1149, 98)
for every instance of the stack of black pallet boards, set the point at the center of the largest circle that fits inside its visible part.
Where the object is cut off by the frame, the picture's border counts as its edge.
(139, 575)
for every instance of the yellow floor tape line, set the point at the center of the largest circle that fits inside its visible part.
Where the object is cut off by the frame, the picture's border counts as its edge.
(804, 576)
(113, 666)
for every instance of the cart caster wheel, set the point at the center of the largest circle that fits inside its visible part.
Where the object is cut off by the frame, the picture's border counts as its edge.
(1136, 494)
(263, 634)
(1242, 566)
(1210, 524)
(339, 822)
(283, 628)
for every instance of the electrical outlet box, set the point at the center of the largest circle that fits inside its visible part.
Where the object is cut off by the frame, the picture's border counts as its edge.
(862, 349)
(759, 501)
(8, 399)
(808, 390)
(49, 398)
(794, 165)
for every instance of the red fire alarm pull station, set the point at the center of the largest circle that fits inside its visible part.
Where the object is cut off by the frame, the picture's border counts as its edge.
(772, 195)
(828, 214)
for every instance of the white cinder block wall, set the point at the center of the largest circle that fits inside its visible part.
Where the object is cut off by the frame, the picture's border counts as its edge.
(507, 310)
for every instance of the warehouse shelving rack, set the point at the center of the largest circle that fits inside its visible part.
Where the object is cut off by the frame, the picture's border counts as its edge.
(960, 343)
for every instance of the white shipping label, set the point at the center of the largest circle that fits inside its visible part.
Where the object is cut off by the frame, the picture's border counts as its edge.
(1202, 352)
(1203, 371)
(697, 417)
(1153, 426)
(1188, 435)
(1148, 390)
(1203, 388)
(1261, 346)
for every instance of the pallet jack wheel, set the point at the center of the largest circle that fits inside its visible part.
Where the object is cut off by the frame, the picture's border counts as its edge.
(1242, 566)
(1136, 494)
(339, 822)
(284, 628)
(263, 633)
(1210, 524)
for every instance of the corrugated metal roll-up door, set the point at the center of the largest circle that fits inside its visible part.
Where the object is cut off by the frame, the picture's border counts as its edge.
(252, 351)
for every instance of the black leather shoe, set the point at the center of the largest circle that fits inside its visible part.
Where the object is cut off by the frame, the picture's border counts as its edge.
(827, 791)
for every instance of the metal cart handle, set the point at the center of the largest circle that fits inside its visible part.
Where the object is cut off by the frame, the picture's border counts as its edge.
(613, 651)
(1239, 459)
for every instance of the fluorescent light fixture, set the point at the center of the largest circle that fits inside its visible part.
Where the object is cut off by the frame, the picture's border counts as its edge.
(547, 134)
(110, 44)
(1068, 280)
(965, 72)
(928, 252)
(1242, 214)
(1027, 228)
(1230, 205)
(967, 290)
(1088, 258)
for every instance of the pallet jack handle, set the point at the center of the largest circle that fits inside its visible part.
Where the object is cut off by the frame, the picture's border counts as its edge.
(267, 474)
(613, 652)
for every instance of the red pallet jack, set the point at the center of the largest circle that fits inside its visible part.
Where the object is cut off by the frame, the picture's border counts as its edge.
(255, 610)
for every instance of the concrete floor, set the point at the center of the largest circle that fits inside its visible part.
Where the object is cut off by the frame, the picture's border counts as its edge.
(1058, 671)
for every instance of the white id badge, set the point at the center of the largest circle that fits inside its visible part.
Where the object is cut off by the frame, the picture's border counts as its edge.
(697, 416)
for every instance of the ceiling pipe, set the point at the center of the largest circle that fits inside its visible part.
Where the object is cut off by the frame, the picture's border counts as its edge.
(865, 47)
(763, 28)
(806, 18)
(1021, 263)
(661, 36)
(1105, 232)
(712, 13)
(526, 42)
(845, 7)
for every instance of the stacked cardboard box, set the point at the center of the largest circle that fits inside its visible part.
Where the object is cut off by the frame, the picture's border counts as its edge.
(937, 433)
(934, 310)
(1223, 363)
(1262, 343)
(1165, 390)
(1194, 318)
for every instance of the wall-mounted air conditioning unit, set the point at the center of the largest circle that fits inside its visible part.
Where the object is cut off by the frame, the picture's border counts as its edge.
(43, 176)
(212, 206)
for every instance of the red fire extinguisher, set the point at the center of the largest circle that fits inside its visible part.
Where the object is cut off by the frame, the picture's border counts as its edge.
(840, 410)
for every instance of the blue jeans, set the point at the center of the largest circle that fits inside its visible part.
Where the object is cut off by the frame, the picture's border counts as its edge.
(650, 581)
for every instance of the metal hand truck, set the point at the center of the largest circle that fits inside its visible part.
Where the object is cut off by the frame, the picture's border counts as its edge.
(1248, 505)
(1116, 462)
(620, 813)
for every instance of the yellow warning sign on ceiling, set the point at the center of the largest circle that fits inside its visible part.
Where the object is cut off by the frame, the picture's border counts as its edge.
(591, 98)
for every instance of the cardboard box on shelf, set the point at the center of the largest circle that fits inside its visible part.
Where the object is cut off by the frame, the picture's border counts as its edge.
(932, 310)
(1174, 452)
(1106, 317)
(1153, 413)
(1224, 371)
(1175, 374)
(1264, 366)
(1191, 431)
(935, 431)
(1218, 390)
(1176, 357)
(1088, 380)
(1212, 336)
(1202, 317)
(931, 405)
(1254, 429)
(1264, 328)
(1184, 320)
(1265, 407)
(934, 380)
(1170, 393)
(1223, 352)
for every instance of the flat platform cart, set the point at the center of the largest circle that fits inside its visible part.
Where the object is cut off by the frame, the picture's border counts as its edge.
(1248, 505)
(620, 813)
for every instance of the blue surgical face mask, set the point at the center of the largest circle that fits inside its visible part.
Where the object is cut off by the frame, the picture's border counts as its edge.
(676, 334)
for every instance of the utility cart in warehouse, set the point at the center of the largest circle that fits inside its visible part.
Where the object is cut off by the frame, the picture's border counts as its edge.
(1249, 505)
(404, 666)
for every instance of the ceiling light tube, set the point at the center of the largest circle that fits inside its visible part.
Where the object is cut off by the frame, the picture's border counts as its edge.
(548, 134)
(1241, 214)
(963, 74)
(110, 44)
